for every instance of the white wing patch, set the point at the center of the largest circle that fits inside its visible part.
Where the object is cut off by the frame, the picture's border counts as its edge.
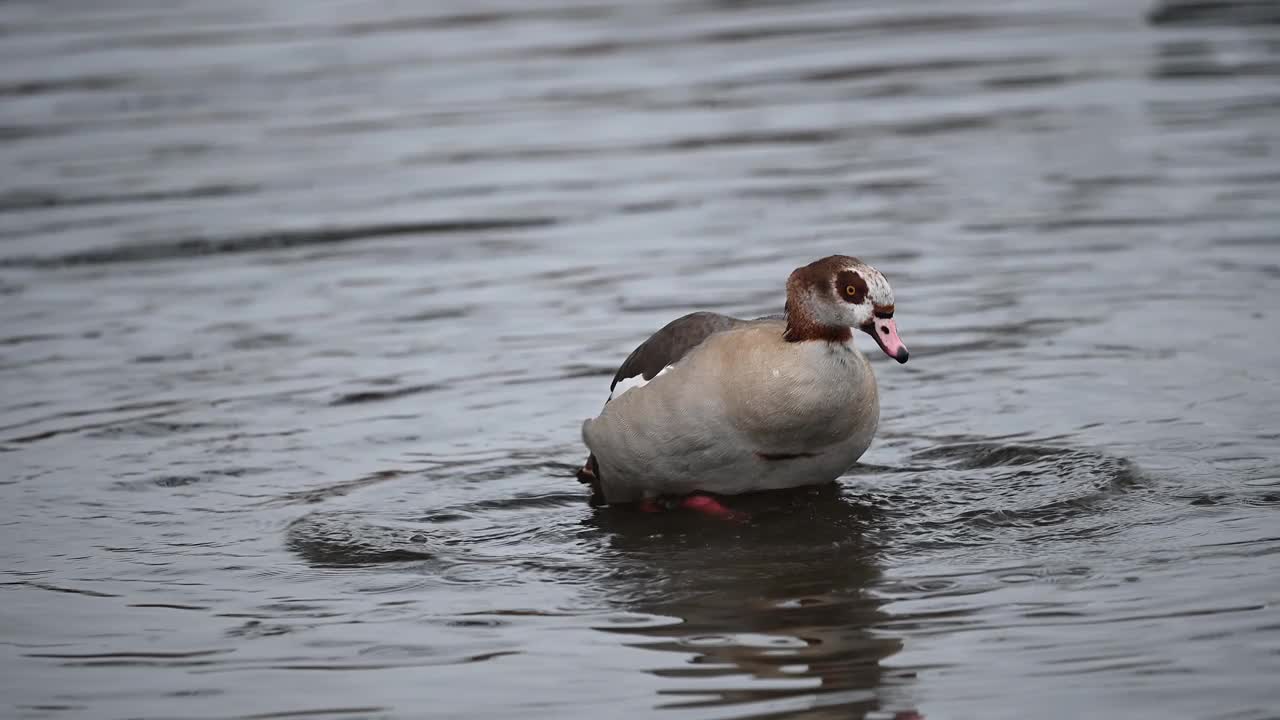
(638, 381)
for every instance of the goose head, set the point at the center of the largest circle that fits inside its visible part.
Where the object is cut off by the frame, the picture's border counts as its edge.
(829, 298)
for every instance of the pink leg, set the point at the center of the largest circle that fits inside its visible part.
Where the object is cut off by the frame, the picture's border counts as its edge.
(710, 506)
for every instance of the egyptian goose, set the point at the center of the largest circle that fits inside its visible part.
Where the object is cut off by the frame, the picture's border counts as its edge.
(715, 404)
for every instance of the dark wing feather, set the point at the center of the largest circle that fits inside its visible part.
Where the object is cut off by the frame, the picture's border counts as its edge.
(671, 343)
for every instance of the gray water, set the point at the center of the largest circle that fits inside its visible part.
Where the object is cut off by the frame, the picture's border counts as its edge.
(302, 305)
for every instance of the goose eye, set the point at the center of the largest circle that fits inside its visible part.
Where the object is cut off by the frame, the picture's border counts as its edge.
(851, 287)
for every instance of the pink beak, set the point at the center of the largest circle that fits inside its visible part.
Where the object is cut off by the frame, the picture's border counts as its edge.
(885, 331)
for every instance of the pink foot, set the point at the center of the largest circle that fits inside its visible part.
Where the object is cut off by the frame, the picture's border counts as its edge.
(710, 506)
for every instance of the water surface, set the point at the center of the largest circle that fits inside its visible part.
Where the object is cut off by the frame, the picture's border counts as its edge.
(302, 305)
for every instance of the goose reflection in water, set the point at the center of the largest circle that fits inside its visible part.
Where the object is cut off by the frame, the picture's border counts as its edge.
(777, 615)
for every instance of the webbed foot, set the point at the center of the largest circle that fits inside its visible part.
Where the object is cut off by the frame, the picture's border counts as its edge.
(697, 502)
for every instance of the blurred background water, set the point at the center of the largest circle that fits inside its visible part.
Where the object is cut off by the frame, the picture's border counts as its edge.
(302, 305)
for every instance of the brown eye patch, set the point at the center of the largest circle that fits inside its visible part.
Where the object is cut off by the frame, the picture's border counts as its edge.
(851, 287)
